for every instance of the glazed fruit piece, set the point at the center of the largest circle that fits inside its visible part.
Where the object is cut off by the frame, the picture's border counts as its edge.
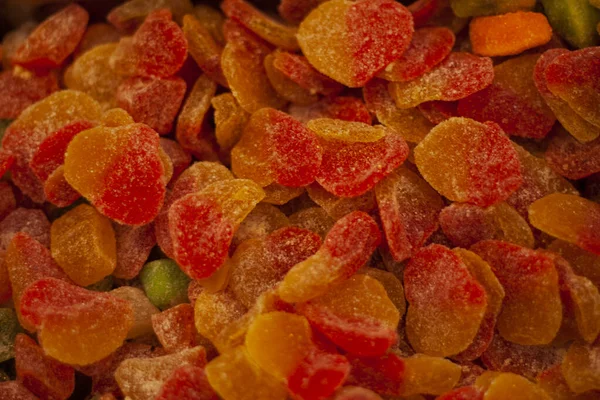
(563, 14)
(509, 34)
(53, 40)
(347, 246)
(20, 90)
(408, 208)
(264, 154)
(332, 38)
(529, 278)
(473, 74)
(155, 370)
(446, 304)
(76, 326)
(45, 377)
(164, 283)
(157, 49)
(450, 159)
(579, 369)
(578, 225)
(83, 244)
(189, 381)
(466, 224)
(356, 315)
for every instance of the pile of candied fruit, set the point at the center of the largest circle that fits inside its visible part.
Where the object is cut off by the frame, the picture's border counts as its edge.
(342, 200)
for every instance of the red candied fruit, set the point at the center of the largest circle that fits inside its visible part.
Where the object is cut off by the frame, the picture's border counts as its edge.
(409, 210)
(202, 235)
(20, 90)
(44, 376)
(498, 104)
(428, 48)
(152, 101)
(458, 76)
(53, 40)
(299, 70)
(187, 382)
(446, 304)
(351, 169)
(318, 376)
(51, 152)
(352, 41)
(276, 147)
(345, 108)
(157, 49)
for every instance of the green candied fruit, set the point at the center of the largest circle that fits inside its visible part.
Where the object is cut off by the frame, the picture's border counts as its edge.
(476, 8)
(164, 283)
(9, 327)
(574, 20)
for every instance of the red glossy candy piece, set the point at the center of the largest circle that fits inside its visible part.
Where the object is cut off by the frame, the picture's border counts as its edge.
(75, 325)
(352, 169)
(180, 158)
(497, 104)
(458, 76)
(137, 201)
(157, 49)
(577, 126)
(187, 382)
(384, 375)
(356, 315)
(14, 390)
(175, 328)
(27, 260)
(152, 101)
(528, 361)
(409, 210)
(346, 248)
(467, 224)
(446, 304)
(574, 78)
(53, 40)
(191, 119)
(428, 48)
(352, 41)
(51, 152)
(259, 265)
(133, 248)
(276, 148)
(298, 69)
(532, 310)
(340, 107)
(44, 376)
(201, 235)
(467, 161)
(19, 90)
(32, 222)
(439, 111)
(571, 158)
(260, 24)
(318, 376)
(192, 180)
(57, 189)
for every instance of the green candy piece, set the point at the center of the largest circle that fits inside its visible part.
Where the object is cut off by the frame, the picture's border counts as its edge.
(164, 283)
(477, 8)
(9, 327)
(574, 20)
